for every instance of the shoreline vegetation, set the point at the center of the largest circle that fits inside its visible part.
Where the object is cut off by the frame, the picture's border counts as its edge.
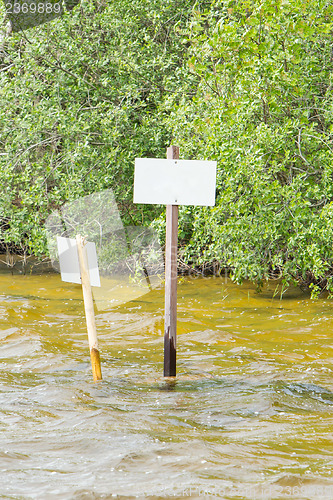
(19, 264)
(31, 265)
(248, 84)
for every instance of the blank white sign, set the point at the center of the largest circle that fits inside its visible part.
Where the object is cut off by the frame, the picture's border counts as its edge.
(69, 261)
(174, 182)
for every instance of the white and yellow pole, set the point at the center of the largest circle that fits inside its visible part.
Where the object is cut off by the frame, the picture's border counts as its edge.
(89, 308)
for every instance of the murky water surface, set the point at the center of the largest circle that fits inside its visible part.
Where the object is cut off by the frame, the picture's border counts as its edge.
(249, 416)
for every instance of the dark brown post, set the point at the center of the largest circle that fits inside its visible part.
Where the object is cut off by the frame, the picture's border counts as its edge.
(171, 245)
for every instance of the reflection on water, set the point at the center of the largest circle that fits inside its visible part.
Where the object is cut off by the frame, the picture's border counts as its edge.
(250, 414)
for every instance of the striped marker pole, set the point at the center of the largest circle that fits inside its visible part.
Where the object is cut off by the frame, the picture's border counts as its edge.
(89, 308)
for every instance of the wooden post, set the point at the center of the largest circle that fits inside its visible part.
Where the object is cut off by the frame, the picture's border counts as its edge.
(171, 244)
(89, 308)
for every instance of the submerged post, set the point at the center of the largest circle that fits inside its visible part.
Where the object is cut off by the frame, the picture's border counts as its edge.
(89, 308)
(173, 182)
(171, 245)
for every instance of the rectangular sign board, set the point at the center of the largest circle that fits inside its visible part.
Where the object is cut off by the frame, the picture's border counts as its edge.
(174, 182)
(69, 261)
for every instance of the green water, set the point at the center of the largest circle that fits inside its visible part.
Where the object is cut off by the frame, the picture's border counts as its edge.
(250, 414)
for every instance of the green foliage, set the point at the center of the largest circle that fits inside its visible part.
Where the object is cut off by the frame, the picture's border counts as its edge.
(263, 109)
(248, 83)
(80, 98)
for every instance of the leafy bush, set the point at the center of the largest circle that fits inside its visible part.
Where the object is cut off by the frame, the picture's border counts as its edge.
(263, 109)
(246, 83)
(80, 98)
